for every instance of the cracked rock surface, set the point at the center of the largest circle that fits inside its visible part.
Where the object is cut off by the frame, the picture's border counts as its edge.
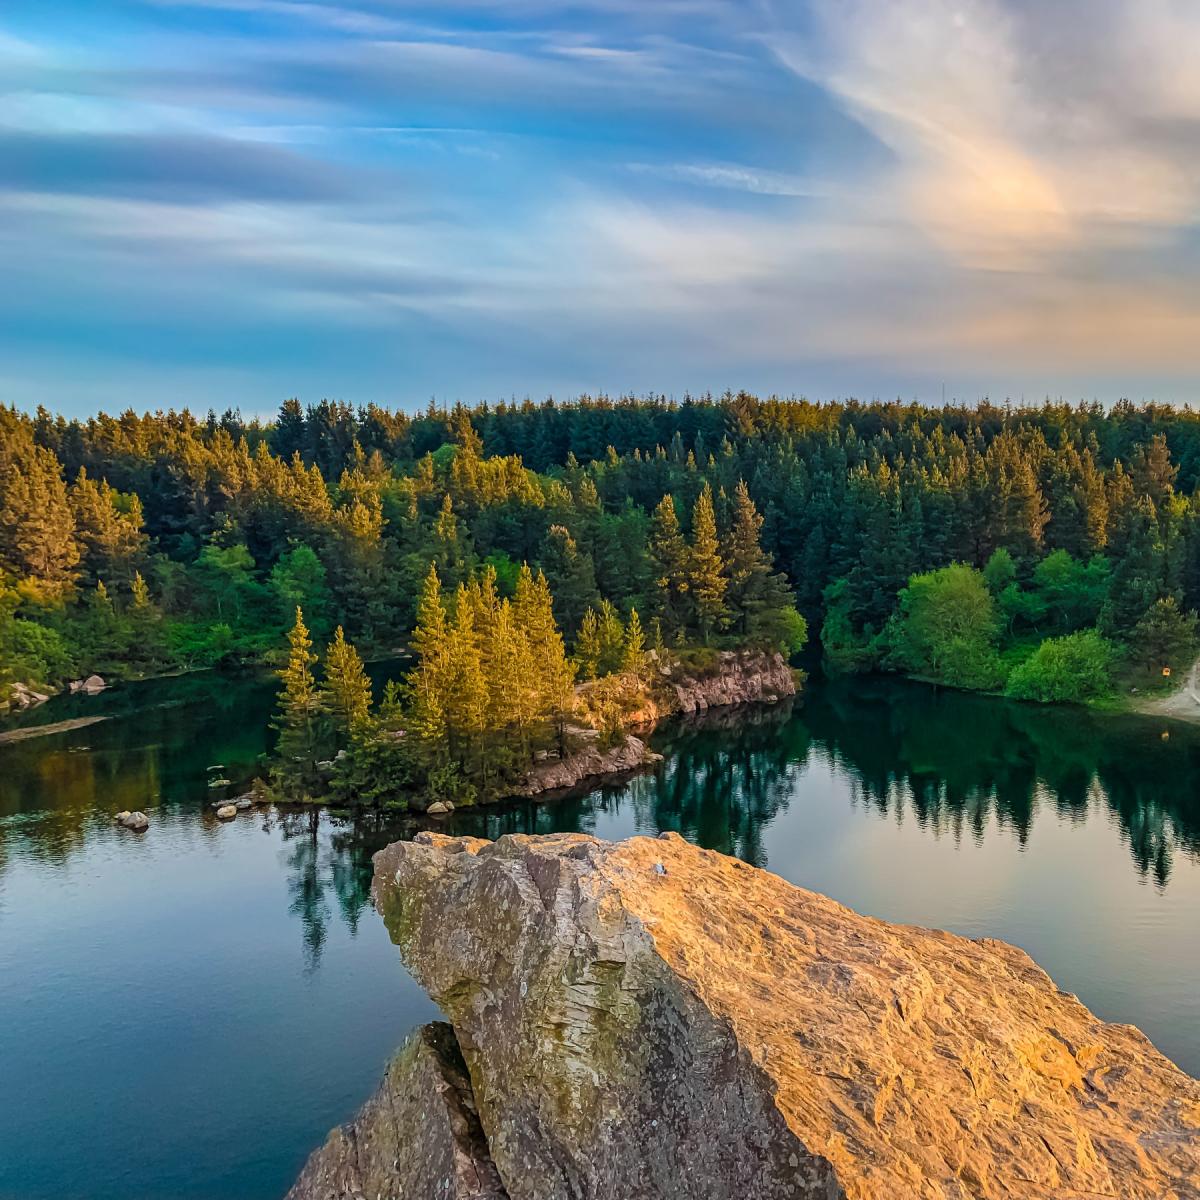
(646, 1019)
(417, 1138)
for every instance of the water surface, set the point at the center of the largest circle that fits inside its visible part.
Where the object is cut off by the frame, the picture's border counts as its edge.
(185, 1013)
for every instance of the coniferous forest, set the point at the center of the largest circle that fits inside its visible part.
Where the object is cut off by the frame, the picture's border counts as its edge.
(1052, 553)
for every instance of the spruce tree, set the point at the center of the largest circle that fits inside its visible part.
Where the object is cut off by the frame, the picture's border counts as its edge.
(108, 528)
(754, 589)
(669, 563)
(553, 670)
(466, 691)
(346, 689)
(706, 569)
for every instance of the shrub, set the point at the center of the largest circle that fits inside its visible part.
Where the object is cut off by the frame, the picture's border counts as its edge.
(1070, 669)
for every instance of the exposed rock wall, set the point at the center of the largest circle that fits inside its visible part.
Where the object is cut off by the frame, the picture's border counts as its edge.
(417, 1138)
(741, 677)
(646, 1019)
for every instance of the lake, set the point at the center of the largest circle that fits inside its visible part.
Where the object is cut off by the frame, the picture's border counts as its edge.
(186, 1012)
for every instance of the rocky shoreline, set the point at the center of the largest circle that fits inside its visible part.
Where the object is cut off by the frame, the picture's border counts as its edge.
(644, 1019)
(737, 678)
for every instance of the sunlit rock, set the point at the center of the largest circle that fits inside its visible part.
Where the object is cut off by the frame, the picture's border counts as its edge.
(646, 1019)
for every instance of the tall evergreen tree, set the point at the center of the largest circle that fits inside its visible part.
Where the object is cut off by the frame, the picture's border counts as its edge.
(634, 656)
(37, 526)
(346, 689)
(707, 581)
(299, 715)
(668, 555)
(587, 646)
(430, 679)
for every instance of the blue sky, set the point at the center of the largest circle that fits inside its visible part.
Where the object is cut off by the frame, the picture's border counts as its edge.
(228, 202)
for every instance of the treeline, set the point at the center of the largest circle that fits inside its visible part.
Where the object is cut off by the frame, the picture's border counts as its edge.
(134, 544)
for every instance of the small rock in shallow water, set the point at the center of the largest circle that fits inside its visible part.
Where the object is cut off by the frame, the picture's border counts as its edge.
(243, 802)
(133, 820)
(439, 808)
(218, 783)
(227, 811)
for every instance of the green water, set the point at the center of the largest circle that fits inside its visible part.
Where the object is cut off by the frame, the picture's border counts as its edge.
(185, 1013)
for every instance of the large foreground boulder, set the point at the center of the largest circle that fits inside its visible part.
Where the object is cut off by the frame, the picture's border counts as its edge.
(647, 1020)
(417, 1138)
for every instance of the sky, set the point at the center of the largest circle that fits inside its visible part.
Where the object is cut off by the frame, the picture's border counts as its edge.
(220, 203)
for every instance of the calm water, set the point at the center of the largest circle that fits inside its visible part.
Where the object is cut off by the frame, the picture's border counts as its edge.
(185, 1013)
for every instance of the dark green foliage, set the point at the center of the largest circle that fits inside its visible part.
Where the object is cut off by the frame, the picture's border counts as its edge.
(1164, 639)
(715, 518)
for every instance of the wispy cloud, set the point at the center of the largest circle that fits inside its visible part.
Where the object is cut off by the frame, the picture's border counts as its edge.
(531, 195)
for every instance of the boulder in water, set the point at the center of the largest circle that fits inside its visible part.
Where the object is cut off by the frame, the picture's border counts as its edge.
(133, 820)
(227, 812)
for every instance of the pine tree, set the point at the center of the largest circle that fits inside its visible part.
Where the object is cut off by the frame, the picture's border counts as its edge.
(346, 689)
(299, 715)
(554, 673)
(449, 556)
(572, 575)
(634, 657)
(110, 536)
(140, 591)
(706, 573)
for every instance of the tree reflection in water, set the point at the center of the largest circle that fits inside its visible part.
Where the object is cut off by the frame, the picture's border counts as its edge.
(961, 765)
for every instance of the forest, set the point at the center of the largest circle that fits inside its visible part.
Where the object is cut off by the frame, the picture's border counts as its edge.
(1050, 553)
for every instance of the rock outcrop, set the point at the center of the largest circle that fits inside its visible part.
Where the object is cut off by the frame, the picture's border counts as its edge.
(590, 762)
(740, 677)
(417, 1138)
(646, 1019)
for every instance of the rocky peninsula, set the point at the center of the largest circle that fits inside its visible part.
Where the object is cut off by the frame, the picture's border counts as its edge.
(646, 1019)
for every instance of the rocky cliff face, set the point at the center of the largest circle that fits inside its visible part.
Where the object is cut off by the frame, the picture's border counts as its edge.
(671, 688)
(648, 1020)
(417, 1138)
